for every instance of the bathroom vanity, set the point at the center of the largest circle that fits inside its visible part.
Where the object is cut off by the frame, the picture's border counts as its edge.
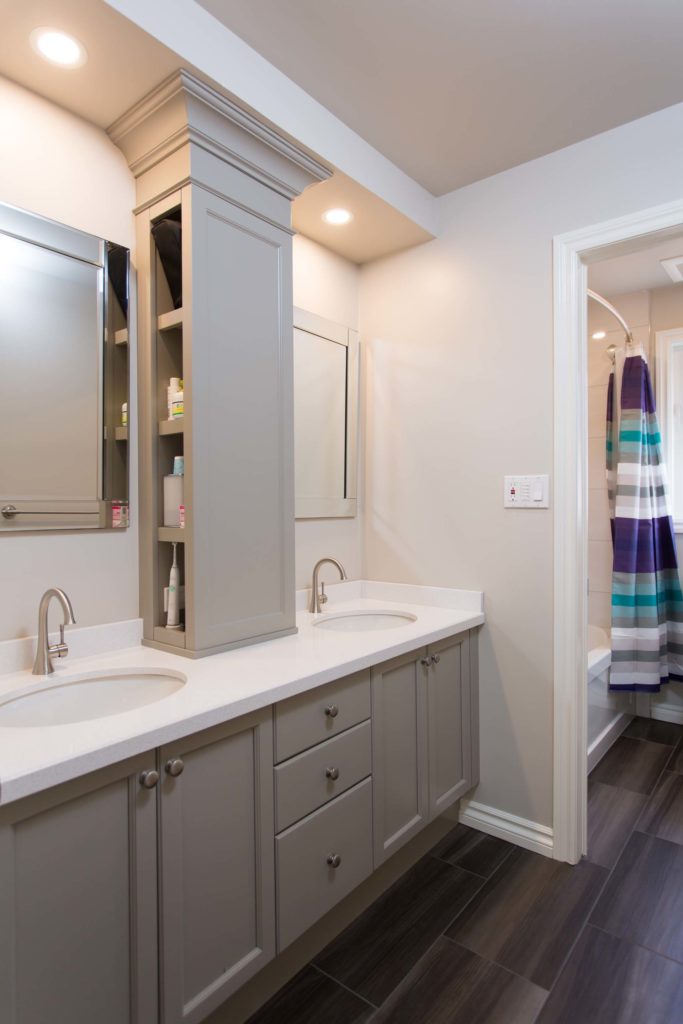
(255, 798)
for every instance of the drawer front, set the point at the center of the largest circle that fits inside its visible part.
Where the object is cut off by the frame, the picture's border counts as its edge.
(307, 886)
(317, 776)
(310, 718)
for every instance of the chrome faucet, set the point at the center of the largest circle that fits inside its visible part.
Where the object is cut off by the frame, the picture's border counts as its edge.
(43, 666)
(319, 599)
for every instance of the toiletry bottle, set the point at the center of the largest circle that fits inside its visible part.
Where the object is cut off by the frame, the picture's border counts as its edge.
(124, 414)
(173, 614)
(178, 405)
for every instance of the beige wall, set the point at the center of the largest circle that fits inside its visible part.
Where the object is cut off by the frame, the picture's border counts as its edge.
(57, 165)
(459, 392)
(326, 284)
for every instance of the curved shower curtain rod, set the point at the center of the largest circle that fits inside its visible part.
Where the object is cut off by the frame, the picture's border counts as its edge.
(615, 313)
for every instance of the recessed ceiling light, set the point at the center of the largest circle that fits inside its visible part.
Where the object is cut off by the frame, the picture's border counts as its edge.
(337, 216)
(599, 335)
(58, 48)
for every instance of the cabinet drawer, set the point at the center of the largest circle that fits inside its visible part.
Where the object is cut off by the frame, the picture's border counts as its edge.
(307, 885)
(304, 783)
(310, 718)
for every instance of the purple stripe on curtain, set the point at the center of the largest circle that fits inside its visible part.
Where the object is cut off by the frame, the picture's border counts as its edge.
(644, 545)
(636, 386)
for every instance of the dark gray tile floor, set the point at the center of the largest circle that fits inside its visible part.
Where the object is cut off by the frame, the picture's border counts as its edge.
(481, 932)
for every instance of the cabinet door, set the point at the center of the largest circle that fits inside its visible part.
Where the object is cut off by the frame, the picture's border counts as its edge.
(78, 905)
(217, 870)
(399, 751)
(450, 717)
(239, 429)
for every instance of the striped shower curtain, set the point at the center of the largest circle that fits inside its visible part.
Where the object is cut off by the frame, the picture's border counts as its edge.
(647, 602)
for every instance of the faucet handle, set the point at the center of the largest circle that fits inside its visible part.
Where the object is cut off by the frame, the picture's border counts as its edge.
(61, 649)
(323, 596)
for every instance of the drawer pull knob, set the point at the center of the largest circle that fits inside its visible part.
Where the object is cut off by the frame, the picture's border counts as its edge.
(149, 778)
(334, 860)
(436, 658)
(426, 661)
(174, 767)
(332, 711)
(332, 773)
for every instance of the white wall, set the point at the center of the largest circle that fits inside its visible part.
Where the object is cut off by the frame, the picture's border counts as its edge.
(57, 165)
(326, 284)
(459, 392)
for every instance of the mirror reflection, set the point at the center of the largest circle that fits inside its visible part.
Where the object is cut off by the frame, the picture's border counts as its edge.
(64, 359)
(325, 417)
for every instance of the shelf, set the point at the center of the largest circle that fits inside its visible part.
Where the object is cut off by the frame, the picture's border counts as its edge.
(174, 637)
(169, 321)
(121, 433)
(176, 426)
(172, 533)
(121, 337)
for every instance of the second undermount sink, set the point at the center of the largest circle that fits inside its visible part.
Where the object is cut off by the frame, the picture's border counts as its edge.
(83, 698)
(363, 621)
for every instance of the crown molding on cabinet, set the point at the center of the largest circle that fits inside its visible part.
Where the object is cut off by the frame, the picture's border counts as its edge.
(184, 110)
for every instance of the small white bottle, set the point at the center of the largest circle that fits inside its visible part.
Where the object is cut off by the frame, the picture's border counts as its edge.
(173, 606)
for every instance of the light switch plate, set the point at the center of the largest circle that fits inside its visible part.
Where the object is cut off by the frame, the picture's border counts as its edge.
(527, 491)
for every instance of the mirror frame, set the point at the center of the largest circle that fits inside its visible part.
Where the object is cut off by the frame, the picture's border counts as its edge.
(346, 507)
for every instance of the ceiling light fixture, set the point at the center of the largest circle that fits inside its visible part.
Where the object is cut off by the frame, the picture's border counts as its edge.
(599, 335)
(58, 48)
(337, 216)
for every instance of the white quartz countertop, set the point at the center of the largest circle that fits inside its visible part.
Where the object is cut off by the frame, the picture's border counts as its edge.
(223, 686)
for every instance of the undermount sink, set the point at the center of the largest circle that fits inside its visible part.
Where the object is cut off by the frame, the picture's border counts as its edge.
(82, 698)
(363, 621)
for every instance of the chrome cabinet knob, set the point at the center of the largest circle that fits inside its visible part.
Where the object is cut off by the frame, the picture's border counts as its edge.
(149, 778)
(334, 860)
(436, 658)
(426, 661)
(332, 711)
(332, 773)
(174, 767)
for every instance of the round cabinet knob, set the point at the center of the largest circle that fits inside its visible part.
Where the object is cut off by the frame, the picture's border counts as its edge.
(332, 773)
(174, 767)
(436, 658)
(332, 711)
(334, 860)
(425, 661)
(149, 778)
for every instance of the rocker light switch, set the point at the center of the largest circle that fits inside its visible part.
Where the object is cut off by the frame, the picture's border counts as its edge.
(527, 491)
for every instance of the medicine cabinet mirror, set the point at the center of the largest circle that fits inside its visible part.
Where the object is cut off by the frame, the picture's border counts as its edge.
(64, 305)
(325, 417)
(670, 408)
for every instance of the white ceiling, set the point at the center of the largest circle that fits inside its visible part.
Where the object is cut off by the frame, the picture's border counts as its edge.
(456, 90)
(635, 271)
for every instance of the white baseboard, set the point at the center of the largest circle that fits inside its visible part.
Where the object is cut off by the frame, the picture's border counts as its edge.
(666, 712)
(520, 831)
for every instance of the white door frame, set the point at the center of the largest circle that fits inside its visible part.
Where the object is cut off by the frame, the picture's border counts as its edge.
(571, 253)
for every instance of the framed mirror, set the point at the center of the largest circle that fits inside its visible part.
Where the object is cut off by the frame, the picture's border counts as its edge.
(325, 417)
(64, 304)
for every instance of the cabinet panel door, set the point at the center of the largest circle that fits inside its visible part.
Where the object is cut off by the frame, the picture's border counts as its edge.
(78, 908)
(239, 432)
(399, 752)
(448, 698)
(217, 870)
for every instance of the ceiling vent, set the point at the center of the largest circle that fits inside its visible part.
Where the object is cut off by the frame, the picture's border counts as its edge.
(674, 268)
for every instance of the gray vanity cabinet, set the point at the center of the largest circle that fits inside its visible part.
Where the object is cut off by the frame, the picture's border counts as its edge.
(399, 751)
(217, 900)
(450, 712)
(78, 903)
(424, 738)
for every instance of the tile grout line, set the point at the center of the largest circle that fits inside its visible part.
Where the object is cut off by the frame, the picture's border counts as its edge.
(341, 984)
(637, 945)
